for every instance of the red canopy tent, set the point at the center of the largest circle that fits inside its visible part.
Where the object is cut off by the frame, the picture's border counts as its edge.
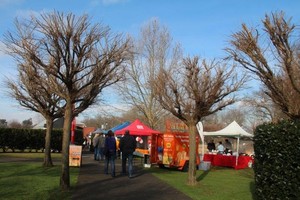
(137, 128)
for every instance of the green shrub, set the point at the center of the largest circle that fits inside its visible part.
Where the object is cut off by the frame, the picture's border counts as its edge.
(33, 139)
(4, 137)
(277, 160)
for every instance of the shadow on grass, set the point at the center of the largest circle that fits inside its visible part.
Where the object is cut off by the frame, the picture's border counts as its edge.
(161, 170)
(252, 189)
(202, 176)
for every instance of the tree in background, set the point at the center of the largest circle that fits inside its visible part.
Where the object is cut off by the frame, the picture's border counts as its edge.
(264, 107)
(103, 121)
(153, 50)
(14, 124)
(272, 55)
(193, 90)
(3, 123)
(33, 88)
(27, 123)
(235, 113)
(80, 60)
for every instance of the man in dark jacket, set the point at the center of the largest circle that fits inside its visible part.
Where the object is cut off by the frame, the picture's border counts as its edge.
(110, 152)
(127, 147)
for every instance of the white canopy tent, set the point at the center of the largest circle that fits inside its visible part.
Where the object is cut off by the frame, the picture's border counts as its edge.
(233, 130)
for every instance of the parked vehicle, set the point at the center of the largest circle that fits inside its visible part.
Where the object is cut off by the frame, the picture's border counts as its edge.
(171, 149)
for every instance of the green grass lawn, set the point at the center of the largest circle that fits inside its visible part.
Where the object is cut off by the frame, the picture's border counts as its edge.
(215, 184)
(29, 180)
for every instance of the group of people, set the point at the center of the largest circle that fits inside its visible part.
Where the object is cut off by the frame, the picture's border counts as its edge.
(221, 149)
(105, 148)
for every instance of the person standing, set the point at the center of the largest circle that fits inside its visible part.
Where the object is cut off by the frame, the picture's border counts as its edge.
(127, 147)
(110, 153)
(211, 146)
(228, 146)
(220, 148)
(96, 146)
(101, 145)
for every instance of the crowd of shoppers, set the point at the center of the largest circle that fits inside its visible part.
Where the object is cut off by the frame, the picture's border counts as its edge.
(106, 148)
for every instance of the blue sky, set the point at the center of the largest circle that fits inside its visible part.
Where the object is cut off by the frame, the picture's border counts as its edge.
(202, 27)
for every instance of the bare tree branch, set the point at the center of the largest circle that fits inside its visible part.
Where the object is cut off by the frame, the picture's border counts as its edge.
(276, 65)
(152, 51)
(195, 90)
(77, 60)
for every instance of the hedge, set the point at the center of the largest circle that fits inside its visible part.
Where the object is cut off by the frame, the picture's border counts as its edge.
(33, 139)
(277, 160)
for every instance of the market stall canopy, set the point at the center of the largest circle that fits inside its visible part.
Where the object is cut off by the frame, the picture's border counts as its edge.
(120, 126)
(137, 128)
(99, 130)
(232, 130)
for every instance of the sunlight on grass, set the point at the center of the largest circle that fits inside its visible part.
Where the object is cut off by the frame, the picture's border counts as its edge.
(215, 184)
(29, 180)
(32, 181)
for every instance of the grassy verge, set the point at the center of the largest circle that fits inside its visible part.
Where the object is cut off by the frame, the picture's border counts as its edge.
(29, 180)
(28, 155)
(215, 184)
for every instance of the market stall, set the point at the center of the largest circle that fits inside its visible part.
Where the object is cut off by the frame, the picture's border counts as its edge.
(228, 161)
(233, 130)
(142, 134)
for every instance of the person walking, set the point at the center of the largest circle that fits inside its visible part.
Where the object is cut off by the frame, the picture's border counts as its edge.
(127, 147)
(110, 153)
(96, 146)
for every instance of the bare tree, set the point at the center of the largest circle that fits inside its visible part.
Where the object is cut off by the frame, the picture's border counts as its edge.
(27, 123)
(32, 89)
(194, 90)
(80, 60)
(264, 108)
(152, 50)
(237, 114)
(273, 56)
(14, 124)
(3, 123)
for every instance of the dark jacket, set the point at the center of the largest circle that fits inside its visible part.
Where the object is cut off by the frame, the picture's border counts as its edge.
(110, 146)
(127, 144)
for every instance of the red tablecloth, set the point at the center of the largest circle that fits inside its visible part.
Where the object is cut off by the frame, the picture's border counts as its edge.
(228, 161)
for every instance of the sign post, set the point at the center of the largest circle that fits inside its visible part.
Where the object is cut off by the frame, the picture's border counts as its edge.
(73, 127)
(75, 153)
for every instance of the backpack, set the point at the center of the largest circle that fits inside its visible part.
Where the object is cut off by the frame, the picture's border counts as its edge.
(110, 146)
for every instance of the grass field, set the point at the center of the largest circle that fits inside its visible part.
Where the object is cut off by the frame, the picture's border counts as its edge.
(215, 184)
(29, 180)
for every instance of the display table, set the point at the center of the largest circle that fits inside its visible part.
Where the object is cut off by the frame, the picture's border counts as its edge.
(228, 161)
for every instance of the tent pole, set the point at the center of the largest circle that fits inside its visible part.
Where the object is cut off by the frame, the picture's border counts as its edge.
(237, 151)
(202, 155)
(199, 127)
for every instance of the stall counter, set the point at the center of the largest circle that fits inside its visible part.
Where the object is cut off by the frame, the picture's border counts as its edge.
(228, 161)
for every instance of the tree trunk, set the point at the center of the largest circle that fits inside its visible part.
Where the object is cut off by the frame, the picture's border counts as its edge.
(47, 153)
(192, 155)
(65, 175)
